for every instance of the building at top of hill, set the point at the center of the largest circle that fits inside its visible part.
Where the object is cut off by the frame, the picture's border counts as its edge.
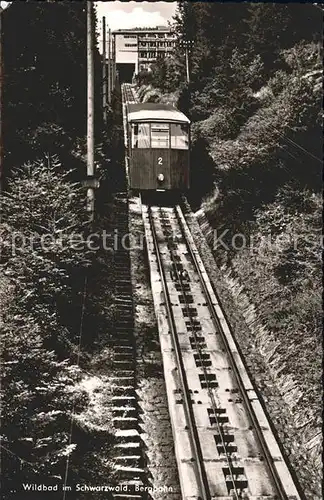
(135, 49)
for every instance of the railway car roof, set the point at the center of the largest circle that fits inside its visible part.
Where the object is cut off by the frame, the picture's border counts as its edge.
(154, 111)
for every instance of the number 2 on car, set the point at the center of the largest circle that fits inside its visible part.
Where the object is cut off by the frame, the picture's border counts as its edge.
(160, 160)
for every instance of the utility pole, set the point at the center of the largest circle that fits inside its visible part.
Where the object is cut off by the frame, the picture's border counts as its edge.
(113, 57)
(1, 102)
(187, 45)
(187, 63)
(109, 66)
(90, 110)
(104, 71)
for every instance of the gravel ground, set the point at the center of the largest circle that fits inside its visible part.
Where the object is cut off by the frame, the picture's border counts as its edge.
(247, 329)
(156, 426)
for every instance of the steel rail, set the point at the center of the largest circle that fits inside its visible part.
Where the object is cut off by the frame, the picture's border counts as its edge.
(278, 484)
(209, 389)
(193, 433)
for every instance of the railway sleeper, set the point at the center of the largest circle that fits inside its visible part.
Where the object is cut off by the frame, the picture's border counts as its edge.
(124, 335)
(122, 294)
(123, 275)
(238, 474)
(175, 257)
(124, 411)
(120, 381)
(124, 356)
(121, 255)
(177, 267)
(193, 325)
(124, 281)
(130, 460)
(130, 472)
(190, 312)
(208, 381)
(120, 364)
(127, 310)
(202, 359)
(225, 443)
(123, 285)
(217, 415)
(127, 341)
(124, 348)
(197, 341)
(186, 299)
(124, 305)
(127, 390)
(125, 422)
(172, 245)
(126, 496)
(124, 327)
(122, 321)
(132, 447)
(122, 270)
(124, 400)
(182, 287)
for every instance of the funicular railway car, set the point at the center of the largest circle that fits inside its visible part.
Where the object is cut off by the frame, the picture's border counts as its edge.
(159, 138)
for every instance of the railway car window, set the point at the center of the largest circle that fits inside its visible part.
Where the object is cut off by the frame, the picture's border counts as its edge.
(159, 135)
(179, 136)
(140, 135)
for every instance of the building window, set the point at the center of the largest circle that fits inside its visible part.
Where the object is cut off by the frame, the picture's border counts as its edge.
(159, 135)
(140, 135)
(130, 44)
(179, 136)
(130, 36)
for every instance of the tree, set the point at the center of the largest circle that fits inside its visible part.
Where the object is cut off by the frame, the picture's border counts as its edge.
(44, 46)
(41, 209)
(38, 396)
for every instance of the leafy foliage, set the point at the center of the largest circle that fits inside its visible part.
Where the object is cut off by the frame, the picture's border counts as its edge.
(43, 258)
(281, 271)
(45, 80)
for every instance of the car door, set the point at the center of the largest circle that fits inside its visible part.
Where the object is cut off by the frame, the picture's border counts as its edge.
(160, 155)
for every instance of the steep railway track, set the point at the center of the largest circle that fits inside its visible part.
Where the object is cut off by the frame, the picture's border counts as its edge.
(224, 444)
(128, 93)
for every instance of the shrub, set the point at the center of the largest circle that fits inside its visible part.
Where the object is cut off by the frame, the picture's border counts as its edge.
(38, 383)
